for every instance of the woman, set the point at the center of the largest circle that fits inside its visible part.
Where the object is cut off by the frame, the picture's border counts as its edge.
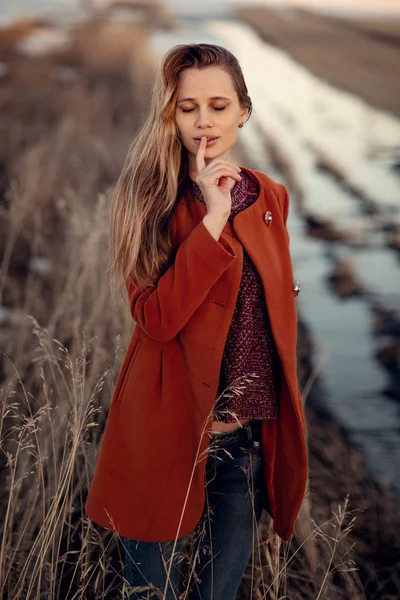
(206, 406)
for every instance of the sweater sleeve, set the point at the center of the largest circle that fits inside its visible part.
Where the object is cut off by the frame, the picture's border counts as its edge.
(162, 310)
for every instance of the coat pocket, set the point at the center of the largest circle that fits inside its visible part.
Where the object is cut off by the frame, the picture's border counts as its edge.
(125, 370)
(204, 326)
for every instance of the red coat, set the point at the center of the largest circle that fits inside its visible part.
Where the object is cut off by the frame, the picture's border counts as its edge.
(149, 482)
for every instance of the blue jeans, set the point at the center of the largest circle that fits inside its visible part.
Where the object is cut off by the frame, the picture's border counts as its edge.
(223, 540)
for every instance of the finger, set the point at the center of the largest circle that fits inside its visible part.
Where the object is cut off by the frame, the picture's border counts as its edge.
(200, 162)
(224, 172)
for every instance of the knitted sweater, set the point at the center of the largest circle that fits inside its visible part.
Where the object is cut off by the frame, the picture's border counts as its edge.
(251, 367)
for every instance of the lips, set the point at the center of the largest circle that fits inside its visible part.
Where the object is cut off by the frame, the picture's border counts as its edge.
(209, 137)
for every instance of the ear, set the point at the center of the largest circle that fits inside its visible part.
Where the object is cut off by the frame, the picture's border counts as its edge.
(244, 114)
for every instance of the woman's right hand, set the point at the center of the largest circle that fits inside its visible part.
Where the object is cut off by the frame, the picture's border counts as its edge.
(213, 182)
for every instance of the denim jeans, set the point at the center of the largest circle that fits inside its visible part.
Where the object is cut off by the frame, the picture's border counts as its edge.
(223, 540)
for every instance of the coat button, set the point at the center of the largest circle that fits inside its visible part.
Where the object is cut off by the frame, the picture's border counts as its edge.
(256, 444)
(296, 288)
(268, 218)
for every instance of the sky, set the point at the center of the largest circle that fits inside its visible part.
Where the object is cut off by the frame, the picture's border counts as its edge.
(9, 9)
(379, 6)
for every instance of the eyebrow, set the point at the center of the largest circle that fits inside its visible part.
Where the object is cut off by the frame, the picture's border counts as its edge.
(212, 98)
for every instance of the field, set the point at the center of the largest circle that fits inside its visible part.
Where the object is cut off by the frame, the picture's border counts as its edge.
(67, 116)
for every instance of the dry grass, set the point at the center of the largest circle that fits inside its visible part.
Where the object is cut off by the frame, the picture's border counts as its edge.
(66, 121)
(50, 548)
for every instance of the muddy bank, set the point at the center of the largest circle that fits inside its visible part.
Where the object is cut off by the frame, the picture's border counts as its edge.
(338, 466)
(356, 55)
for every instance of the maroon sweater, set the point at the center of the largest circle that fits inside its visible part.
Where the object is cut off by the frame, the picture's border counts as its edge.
(251, 367)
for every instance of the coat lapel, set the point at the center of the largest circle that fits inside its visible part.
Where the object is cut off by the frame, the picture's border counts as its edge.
(268, 249)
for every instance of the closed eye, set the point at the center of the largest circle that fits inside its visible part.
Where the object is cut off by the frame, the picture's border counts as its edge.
(190, 109)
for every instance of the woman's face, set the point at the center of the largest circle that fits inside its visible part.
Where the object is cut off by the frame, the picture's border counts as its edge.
(207, 104)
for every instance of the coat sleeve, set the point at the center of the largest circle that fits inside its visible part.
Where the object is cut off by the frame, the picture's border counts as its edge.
(162, 310)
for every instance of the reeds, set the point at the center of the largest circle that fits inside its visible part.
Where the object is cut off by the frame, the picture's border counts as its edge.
(49, 443)
(63, 336)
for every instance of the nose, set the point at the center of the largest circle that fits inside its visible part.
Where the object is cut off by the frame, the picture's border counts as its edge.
(204, 119)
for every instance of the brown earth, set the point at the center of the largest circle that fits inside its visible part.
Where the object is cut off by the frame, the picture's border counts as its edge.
(359, 56)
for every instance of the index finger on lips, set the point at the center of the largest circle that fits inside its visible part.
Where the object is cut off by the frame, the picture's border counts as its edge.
(200, 162)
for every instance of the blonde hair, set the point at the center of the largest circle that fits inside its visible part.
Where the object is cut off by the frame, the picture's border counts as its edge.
(155, 167)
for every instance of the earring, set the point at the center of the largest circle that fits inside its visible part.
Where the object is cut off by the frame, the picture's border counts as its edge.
(240, 125)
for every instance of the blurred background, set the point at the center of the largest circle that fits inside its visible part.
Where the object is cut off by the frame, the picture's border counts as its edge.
(75, 83)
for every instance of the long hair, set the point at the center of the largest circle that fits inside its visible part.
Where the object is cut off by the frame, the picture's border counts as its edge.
(155, 167)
